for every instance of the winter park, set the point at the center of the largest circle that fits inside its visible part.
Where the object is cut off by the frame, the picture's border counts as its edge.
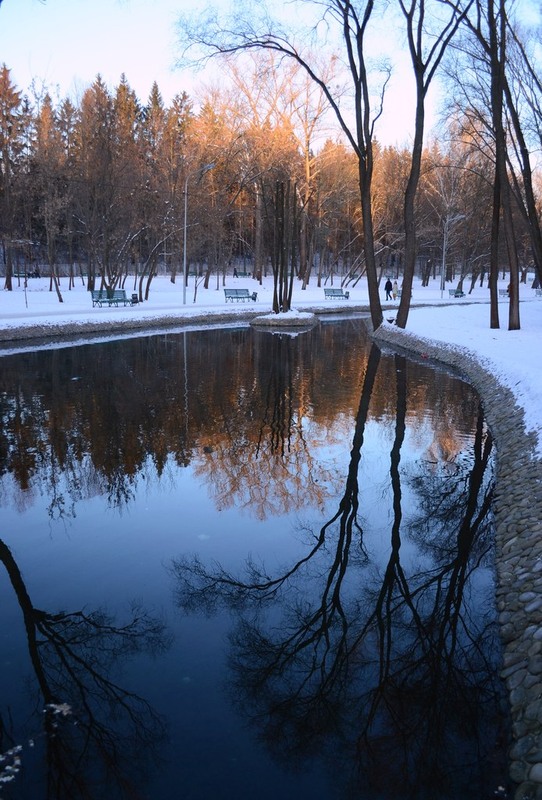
(271, 434)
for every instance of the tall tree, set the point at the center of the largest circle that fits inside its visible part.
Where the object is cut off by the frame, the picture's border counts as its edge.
(254, 30)
(430, 26)
(488, 24)
(128, 166)
(94, 198)
(174, 144)
(280, 103)
(48, 158)
(456, 187)
(108, 179)
(67, 128)
(11, 145)
(495, 46)
(523, 94)
(337, 214)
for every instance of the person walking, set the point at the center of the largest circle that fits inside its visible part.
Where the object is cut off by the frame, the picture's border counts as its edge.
(388, 287)
(395, 290)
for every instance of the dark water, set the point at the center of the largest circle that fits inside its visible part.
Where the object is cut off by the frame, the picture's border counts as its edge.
(244, 565)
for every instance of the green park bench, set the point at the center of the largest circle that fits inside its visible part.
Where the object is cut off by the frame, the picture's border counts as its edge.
(330, 293)
(239, 294)
(112, 297)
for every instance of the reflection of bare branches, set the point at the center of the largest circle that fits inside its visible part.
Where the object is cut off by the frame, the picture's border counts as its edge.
(399, 679)
(95, 730)
(269, 467)
(449, 664)
(94, 421)
(197, 588)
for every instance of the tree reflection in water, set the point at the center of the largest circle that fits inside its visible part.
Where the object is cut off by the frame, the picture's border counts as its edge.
(389, 674)
(94, 732)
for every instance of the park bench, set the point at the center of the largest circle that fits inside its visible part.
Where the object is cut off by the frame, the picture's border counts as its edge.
(239, 294)
(503, 292)
(34, 273)
(329, 293)
(241, 274)
(456, 292)
(111, 297)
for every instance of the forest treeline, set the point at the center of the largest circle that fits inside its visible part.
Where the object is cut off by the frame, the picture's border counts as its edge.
(254, 176)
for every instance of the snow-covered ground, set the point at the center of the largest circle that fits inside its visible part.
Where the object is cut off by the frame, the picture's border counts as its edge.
(464, 322)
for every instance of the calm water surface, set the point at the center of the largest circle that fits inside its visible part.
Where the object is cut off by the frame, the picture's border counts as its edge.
(246, 565)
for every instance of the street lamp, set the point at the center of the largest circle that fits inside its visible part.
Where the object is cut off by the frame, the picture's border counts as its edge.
(200, 173)
(447, 222)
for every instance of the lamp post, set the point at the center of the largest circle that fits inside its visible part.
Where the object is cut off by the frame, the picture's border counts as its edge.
(200, 173)
(447, 222)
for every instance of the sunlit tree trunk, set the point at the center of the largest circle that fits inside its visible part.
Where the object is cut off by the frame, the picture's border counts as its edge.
(10, 142)
(352, 25)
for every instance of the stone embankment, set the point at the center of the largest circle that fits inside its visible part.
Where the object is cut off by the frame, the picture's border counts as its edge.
(518, 517)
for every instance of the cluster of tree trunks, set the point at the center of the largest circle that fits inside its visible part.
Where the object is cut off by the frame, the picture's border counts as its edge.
(109, 188)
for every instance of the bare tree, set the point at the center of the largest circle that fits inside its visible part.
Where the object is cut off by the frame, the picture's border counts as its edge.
(87, 716)
(493, 41)
(370, 663)
(523, 93)
(492, 106)
(430, 28)
(48, 175)
(254, 30)
(281, 98)
(10, 146)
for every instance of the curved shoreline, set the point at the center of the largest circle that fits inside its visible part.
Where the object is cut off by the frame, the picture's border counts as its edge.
(126, 325)
(517, 506)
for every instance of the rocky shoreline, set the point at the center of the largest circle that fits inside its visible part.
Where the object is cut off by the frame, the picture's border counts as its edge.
(517, 507)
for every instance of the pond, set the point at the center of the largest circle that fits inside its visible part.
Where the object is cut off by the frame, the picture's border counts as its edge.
(241, 564)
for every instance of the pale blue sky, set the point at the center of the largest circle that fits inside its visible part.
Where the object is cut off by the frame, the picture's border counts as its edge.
(67, 42)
